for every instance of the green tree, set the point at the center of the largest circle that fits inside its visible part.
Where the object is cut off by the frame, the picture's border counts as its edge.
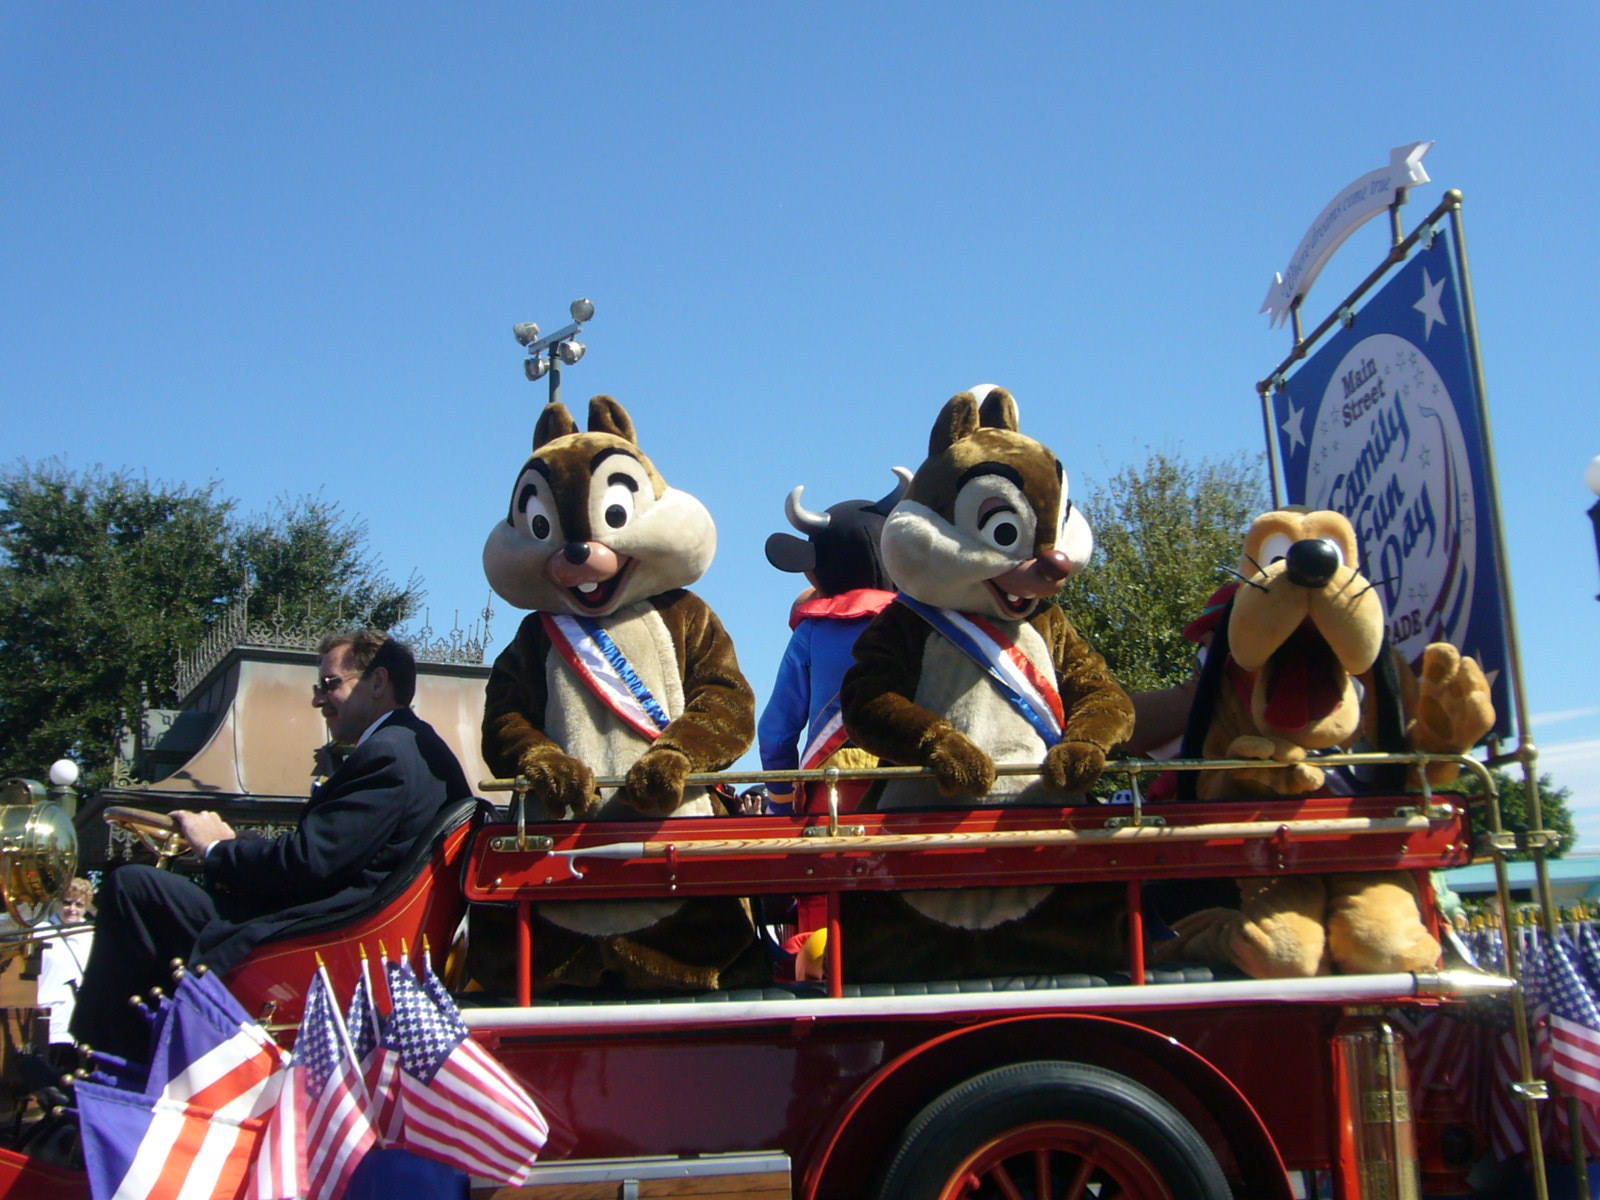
(107, 579)
(310, 559)
(1167, 534)
(1514, 808)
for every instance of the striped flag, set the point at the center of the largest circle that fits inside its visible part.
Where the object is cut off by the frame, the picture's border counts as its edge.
(279, 1170)
(142, 1148)
(460, 1106)
(380, 1065)
(1574, 1024)
(193, 1130)
(338, 1130)
(1589, 954)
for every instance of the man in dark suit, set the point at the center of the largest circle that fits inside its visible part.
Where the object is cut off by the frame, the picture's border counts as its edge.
(357, 827)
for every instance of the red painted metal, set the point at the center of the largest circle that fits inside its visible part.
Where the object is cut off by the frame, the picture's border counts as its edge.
(1136, 931)
(524, 952)
(274, 978)
(24, 1178)
(505, 874)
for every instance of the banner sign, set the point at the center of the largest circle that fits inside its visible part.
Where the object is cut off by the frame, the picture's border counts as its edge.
(1355, 204)
(1382, 424)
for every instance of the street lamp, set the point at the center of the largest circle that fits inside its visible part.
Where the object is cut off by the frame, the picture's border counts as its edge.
(547, 354)
(1592, 478)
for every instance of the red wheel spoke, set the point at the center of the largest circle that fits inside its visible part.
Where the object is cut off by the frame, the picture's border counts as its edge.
(1041, 1174)
(1078, 1188)
(1094, 1158)
(1003, 1181)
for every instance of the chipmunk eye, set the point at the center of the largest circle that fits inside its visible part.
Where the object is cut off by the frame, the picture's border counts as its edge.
(616, 504)
(999, 528)
(531, 515)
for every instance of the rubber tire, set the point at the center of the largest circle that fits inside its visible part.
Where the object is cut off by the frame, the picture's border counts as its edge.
(1031, 1104)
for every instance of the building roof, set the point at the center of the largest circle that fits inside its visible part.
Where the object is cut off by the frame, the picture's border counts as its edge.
(1580, 870)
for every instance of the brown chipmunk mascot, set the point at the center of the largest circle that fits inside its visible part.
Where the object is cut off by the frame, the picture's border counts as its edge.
(618, 671)
(971, 665)
(1280, 683)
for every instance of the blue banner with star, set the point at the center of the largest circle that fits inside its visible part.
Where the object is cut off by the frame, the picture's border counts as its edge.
(1382, 424)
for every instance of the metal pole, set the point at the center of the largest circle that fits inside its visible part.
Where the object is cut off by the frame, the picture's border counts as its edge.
(1594, 517)
(1539, 839)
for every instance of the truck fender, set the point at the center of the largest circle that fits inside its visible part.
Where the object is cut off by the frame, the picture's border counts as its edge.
(864, 1133)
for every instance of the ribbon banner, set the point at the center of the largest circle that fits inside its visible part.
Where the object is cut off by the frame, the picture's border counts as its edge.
(1382, 424)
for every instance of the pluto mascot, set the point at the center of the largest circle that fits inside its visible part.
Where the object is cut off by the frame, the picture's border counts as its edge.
(1299, 662)
(972, 665)
(618, 671)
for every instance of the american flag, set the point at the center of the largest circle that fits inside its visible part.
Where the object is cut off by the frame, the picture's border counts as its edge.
(1442, 1052)
(1507, 1113)
(338, 1128)
(380, 1065)
(1589, 954)
(460, 1106)
(279, 1169)
(1574, 1024)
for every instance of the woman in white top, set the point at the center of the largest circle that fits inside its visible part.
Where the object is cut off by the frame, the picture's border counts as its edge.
(63, 957)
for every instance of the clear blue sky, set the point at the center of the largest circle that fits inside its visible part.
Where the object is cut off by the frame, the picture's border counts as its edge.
(282, 246)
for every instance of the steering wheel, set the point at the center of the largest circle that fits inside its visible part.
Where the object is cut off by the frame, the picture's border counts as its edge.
(155, 831)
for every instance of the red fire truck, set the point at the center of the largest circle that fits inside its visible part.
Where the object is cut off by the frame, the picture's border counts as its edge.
(1180, 1082)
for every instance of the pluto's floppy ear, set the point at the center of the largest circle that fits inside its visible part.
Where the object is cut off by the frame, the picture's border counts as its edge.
(607, 416)
(956, 420)
(555, 421)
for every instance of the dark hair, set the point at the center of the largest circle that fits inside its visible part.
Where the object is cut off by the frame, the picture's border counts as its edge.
(372, 648)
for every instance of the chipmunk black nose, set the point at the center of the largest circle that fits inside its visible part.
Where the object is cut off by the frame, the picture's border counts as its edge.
(576, 553)
(1312, 562)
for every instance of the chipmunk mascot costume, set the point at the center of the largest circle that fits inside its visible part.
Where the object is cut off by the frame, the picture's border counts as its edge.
(618, 671)
(1299, 662)
(972, 665)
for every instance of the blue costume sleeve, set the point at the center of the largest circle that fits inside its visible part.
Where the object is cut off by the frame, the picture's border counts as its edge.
(783, 721)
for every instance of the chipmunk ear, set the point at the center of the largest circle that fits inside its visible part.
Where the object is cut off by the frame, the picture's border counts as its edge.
(956, 420)
(607, 416)
(998, 410)
(1077, 539)
(555, 421)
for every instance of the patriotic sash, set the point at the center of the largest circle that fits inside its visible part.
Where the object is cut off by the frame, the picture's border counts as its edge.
(829, 736)
(1023, 685)
(600, 663)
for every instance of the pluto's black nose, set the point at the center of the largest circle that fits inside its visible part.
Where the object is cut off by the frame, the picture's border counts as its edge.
(1312, 562)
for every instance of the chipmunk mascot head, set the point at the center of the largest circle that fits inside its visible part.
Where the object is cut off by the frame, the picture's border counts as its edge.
(618, 671)
(1299, 662)
(972, 665)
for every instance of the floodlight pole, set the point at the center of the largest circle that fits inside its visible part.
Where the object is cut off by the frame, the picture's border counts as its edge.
(1594, 517)
(546, 354)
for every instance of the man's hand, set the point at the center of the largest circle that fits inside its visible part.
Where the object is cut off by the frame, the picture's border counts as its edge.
(202, 830)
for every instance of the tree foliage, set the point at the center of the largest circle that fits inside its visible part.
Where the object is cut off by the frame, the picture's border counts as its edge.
(1513, 792)
(311, 560)
(1167, 533)
(107, 579)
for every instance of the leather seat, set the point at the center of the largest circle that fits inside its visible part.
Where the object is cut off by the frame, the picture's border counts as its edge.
(421, 899)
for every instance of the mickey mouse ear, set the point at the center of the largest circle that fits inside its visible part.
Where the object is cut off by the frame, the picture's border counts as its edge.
(792, 554)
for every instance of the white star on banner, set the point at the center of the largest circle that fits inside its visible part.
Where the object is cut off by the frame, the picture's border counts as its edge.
(1431, 306)
(1291, 426)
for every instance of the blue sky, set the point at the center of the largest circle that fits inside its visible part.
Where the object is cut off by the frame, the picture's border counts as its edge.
(282, 246)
